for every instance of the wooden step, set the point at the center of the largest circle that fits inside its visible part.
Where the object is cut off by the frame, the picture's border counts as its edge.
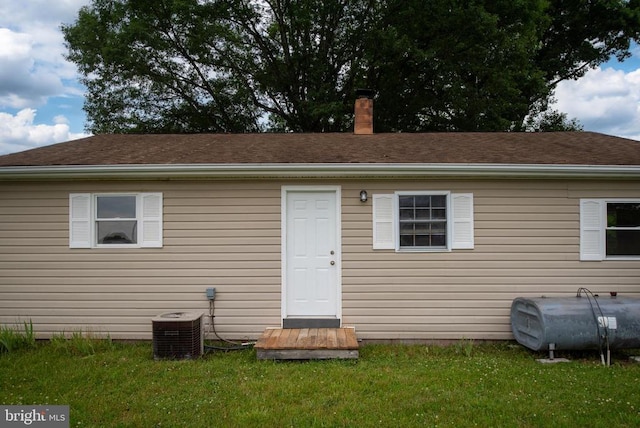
(307, 344)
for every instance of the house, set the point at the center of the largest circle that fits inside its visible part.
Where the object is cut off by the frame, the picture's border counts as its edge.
(404, 236)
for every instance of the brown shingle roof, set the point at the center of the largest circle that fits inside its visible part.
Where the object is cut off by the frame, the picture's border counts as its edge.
(550, 148)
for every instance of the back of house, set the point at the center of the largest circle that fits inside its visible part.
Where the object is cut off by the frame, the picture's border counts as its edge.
(403, 236)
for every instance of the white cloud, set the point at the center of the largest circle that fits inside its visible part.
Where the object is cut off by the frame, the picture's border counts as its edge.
(19, 132)
(14, 45)
(23, 80)
(61, 120)
(604, 100)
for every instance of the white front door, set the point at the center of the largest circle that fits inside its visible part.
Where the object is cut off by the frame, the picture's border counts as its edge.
(311, 258)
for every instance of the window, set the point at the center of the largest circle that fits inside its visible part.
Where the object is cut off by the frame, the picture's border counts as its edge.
(609, 229)
(115, 220)
(423, 221)
(623, 229)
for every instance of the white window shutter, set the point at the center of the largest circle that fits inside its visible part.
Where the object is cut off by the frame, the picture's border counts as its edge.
(592, 224)
(151, 223)
(80, 220)
(383, 222)
(462, 217)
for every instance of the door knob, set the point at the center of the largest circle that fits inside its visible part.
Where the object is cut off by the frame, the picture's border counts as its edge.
(332, 263)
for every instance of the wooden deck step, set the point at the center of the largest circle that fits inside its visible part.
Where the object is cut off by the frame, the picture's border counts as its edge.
(307, 344)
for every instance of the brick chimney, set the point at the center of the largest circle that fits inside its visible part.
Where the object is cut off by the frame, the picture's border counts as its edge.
(363, 112)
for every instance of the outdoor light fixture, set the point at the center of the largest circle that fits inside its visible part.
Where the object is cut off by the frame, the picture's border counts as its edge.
(363, 196)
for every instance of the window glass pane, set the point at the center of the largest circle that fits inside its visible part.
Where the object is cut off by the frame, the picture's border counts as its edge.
(623, 214)
(406, 214)
(407, 228)
(406, 240)
(438, 227)
(439, 201)
(422, 228)
(117, 232)
(423, 214)
(406, 202)
(623, 242)
(439, 214)
(423, 201)
(438, 241)
(423, 241)
(116, 207)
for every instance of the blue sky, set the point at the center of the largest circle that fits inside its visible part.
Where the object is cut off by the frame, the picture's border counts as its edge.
(41, 100)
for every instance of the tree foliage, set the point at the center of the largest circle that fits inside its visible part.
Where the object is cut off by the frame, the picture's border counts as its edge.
(469, 68)
(294, 65)
(551, 121)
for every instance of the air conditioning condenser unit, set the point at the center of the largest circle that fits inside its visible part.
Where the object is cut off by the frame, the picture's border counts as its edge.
(178, 335)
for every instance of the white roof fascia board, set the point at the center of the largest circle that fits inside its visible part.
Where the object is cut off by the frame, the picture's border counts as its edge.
(352, 170)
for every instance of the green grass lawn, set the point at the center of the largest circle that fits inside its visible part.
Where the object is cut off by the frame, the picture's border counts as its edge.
(389, 386)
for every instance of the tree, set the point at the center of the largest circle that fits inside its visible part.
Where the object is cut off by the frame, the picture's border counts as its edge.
(294, 65)
(483, 66)
(148, 68)
(456, 66)
(550, 121)
(219, 65)
(300, 59)
(583, 34)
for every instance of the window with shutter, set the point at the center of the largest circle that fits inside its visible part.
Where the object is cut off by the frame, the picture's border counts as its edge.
(423, 221)
(115, 220)
(609, 229)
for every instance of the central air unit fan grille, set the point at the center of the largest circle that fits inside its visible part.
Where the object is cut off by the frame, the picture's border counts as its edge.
(177, 335)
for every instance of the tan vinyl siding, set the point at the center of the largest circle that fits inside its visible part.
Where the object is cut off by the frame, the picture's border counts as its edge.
(216, 234)
(526, 244)
(226, 234)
